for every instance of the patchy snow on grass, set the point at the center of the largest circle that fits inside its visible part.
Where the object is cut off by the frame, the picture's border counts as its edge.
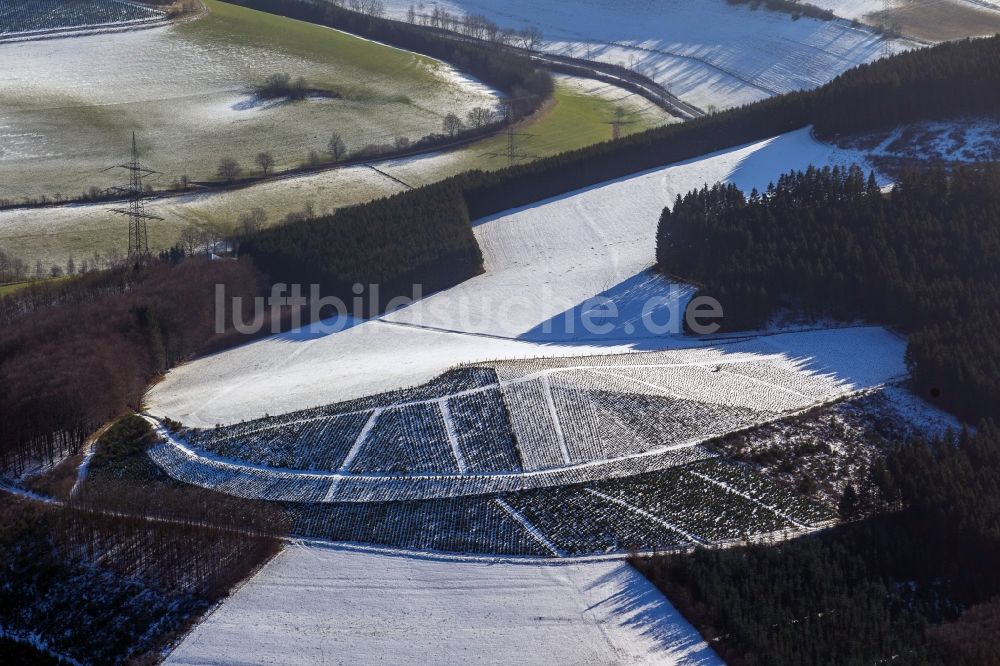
(324, 605)
(71, 104)
(709, 52)
(545, 263)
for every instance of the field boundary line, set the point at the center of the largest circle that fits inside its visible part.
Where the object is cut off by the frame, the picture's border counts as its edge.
(530, 528)
(690, 536)
(359, 442)
(771, 385)
(389, 176)
(551, 404)
(449, 427)
(730, 489)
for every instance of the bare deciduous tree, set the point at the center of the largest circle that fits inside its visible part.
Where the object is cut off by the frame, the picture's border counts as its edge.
(374, 8)
(192, 238)
(480, 117)
(252, 221)
(336, 147)
(452, 124)
(214, 238)
(229, 169)
(265, 162)
(530, 38)
(12, 269)
(507, 36)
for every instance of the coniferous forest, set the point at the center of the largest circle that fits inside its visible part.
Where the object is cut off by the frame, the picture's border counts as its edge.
(924, 258)
(919, 583)
(423, 235)
(419, 237)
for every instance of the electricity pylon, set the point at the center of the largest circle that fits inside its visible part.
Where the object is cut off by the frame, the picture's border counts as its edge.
(138, 238)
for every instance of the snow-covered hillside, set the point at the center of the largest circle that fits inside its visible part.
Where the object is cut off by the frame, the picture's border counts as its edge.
(707, 51)
(546, 259)
(314, 605)
(544, 263)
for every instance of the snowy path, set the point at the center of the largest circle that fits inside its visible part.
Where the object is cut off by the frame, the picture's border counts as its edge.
(318, 605)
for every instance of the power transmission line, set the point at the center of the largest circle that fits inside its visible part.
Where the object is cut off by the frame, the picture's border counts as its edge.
(512, 154)
(138, 237)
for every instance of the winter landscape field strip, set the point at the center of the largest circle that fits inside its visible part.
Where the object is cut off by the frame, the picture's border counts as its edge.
(710, 53)
(602, 613)
(671, 509)
(542, 263)
(189, 90)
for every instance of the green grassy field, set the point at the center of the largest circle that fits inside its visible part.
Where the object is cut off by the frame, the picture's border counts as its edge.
(371, 62)
(578, 115)
(11, 287)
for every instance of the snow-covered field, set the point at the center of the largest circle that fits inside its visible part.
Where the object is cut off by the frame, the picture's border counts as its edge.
(543, 264)
(707, 51)
(548, 258)
(547, 422)
(314, 605)
(68, 106)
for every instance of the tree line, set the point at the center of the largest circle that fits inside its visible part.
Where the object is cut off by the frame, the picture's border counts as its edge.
(77, 353)
(478, 122)
(794, 7)
(916, 586)
(953, 79)
(418, 237)
(924, 258)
